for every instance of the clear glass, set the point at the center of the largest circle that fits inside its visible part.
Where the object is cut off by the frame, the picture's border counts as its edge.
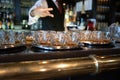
(57, 38)
(1, 36)
(19, 37)
(71, 39)
(8, 37)
(94, 36)
(43, 37)
(29, 37)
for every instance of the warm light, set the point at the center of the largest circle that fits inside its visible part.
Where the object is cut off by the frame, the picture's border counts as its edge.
(58, 47)
(2, 71)
(43, 70)
(102, 57)
(64, 4)
(111, 60)
(62, 65)
(44, 62)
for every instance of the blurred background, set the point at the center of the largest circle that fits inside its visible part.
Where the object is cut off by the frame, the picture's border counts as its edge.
(104, 12)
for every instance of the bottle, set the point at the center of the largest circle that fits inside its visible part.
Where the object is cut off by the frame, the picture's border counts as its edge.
(7, 21)
(82, 18)
(3, 24)
(11, 25)
(11, 20)
(66, 19)
(25, 24)
(72, 15)
(0, 20)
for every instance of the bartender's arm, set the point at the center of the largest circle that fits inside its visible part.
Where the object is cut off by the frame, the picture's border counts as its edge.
(40, 9)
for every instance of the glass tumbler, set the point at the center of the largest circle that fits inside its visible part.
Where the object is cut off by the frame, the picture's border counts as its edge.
(9, 37)
(71, 39)
(57, 38)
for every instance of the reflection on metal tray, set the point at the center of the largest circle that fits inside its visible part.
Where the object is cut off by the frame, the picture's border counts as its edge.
(47, 47)
(96, 42)
(11, 48)
(101, 45)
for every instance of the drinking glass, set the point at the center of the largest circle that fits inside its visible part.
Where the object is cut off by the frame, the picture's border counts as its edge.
(43, 37)
(1, 37)
(71, 39)
(19, 37)
(57, 38)
(29, 37)
(9, 37)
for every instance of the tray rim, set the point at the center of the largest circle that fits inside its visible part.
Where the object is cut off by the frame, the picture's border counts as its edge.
(12, 46)
(47, 47)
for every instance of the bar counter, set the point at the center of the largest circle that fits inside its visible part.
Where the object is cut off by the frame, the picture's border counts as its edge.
(34, 65)
(31, 55)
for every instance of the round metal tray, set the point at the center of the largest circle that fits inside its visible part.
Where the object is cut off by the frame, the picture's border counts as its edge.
(101, 45)
(54, 48)
(96, 42)
(11, 48)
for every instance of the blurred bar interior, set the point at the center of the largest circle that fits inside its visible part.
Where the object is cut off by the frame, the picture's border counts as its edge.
(101, 12)
(89, 49)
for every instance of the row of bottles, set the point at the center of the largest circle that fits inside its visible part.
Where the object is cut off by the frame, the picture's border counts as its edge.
(103, 9)
(117, 11)
(103, 2)
(6, 21)
(6, 5)
(79, 20)
(6, 14)
(25, 6)
(24, 3)
(103, 13)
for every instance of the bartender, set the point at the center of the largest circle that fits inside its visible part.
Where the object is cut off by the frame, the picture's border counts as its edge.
(48, 14)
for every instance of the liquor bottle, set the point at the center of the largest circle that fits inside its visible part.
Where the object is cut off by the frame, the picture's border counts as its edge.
(72, 15)
(0, 20)
(11, 25)
(66, 20)
(3, 24)
(7, 21)
(82, 18)
(3, 21)
(25, 25)
(11, 20)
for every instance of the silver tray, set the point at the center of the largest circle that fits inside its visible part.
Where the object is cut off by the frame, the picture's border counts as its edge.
(11, 48)
(96, 42)
(47, 47)
(6, 46)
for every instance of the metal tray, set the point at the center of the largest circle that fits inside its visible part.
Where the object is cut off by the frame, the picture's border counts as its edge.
(96, 42)
(52, 48)
(11, 48)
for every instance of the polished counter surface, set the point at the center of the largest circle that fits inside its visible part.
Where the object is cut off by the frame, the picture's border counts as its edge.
(31, 55)
(30, 65)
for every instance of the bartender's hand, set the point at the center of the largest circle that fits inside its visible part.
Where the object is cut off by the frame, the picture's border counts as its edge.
(42, 12)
